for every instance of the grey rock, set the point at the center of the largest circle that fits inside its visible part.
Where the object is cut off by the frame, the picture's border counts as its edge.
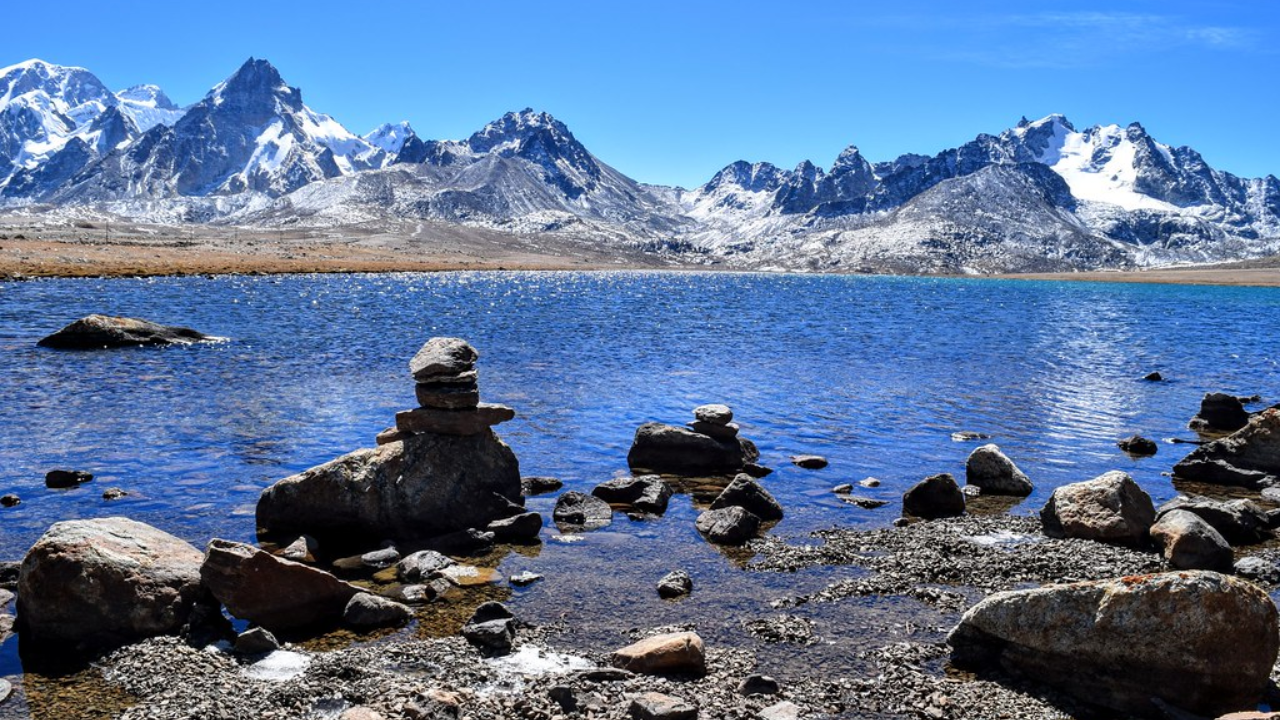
(1196, 640)
(94, 332)
(468, 543)
(1189, 543)
(467, 422)
(727, 432)
(968, 436)
(579, 510)
(746, 493)
(6, 628)
(713, 414)
(491, 628)
(113, 493)
(274, 593)
(443, 356)
(1154, 376)
(367, 610)
(1241, 522)
(1258, 570)
(758, 685)
(6, 597)
(842, 489)
(1219, 412)
(785, 710)
(256, 641)
(869, 482)
(656, 706)
(447, 397)
(1138, 446)
(98, 584)
(467, 377)
(809, 462)
(1110, 508)
(728, 526)
(379, 559)
(647, 493)
(679, 451)
(428, 485)
(565, 696)
(937, 496)
(10, 500)
(303, 549)
(865, 503)
(422, 565)
(521, 528)
(989, 469)
(756, 470)
(536, 485)
(62, 479)
(1248, 458)
(674, 584)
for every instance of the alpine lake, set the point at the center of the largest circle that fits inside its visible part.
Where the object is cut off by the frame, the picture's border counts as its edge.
(873, 373)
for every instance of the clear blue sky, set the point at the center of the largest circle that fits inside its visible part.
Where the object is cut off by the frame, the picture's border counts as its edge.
(669, 92)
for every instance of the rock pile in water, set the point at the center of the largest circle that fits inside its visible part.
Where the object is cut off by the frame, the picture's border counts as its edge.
(93, 332)
(710, 445)
(1249, 457)
(442, 470)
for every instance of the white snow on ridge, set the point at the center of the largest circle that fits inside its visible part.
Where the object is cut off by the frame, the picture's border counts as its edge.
(1098, 166)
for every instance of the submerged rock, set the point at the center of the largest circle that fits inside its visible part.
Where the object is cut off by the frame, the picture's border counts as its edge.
(272, 592)
(992, 471)
(422, 565)
(809, 462)
(1248, 458)
(746, 493)
(647, 493)
(425, 486)
(1219, 412)
(98, 584)
(674, 584)
(679, 653)
(728, 526)
(579, 510)
(1110, 508)
(675, 450)
(937, 496)
(536, 485)
(1138, 446)
(520, 528)
(1195, 640)
(62, 479)
(93, 332)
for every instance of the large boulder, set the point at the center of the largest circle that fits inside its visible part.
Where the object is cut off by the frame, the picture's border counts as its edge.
(1219, 412)
(745, 492)
(937, 496)
(1189, 543)
(93, 332)
(992, 471)
(1240, 521)
(275, 593)
(675, 450)
(1198, 641)
(98, 584)
(581, 511)
(1250, 457)
(1111, 508)
(421, 487)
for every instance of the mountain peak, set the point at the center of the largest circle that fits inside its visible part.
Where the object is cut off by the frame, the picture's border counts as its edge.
(516, 126)
(147, 95)
(257, 79)
(390, 137)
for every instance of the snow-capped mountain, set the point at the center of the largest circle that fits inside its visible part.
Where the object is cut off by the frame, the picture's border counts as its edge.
(1038, 196)
(250, 135)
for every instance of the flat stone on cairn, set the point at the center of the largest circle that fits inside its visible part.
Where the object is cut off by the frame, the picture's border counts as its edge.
(448, 392)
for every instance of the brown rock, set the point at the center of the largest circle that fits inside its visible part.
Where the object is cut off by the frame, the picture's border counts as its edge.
(656, 706)
(471, 421)
(1195, 640)
(1110, 508)
(447, 397)
(391, 435)
(1249, 457)
(272, 592)
(98, 584)
(728, 431)
(679, 653)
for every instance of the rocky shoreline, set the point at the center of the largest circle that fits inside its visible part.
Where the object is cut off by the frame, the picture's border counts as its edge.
(368, 595)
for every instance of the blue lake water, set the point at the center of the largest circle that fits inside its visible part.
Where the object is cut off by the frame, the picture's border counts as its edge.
(874, 373)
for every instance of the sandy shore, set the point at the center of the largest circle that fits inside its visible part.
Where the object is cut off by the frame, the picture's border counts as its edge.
(1235, 274)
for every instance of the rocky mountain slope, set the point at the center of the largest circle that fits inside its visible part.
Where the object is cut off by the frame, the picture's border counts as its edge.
(1039, 196)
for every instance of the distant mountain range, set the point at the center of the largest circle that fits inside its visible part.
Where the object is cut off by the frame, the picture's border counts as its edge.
(1039, 196)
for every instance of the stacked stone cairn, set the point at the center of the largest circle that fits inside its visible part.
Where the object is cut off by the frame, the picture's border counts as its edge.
(448, 393)
(708, 446)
